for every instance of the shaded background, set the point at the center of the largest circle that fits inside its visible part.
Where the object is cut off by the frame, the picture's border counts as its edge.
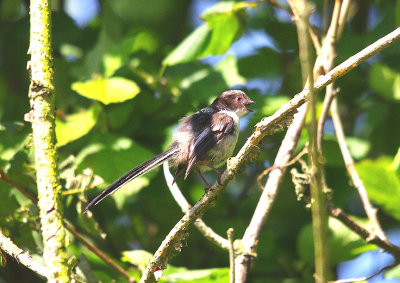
(119, 97)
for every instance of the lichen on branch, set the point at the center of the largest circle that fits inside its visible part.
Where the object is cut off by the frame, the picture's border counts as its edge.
(41, 116)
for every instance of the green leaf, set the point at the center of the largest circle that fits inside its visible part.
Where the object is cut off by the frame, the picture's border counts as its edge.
(205, 82)
(229, 71)
(13, 136)
(393, 272)
(284, 34)
(396, 163)
(265, 62)
(224, 25)
(95, 55)
(9, 9)
(140, 258)
(273, 103)
(9, 206)
(382, 183)
(358, 147)
(332, 151)
(178, 274)
(190, 48)
(110, 157)
(385, 81)
(107, 90)
(226, 28)
(76, 125)
(397, 11)
(345, 243)
(83, 271)
(119, 54)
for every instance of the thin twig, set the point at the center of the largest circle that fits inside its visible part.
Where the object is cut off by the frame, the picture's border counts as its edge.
(80, 238)
(231, 255)
(207, 232)
(366, 277)
(329, 94)
(287, 164)
(267, 198)
(332, 102)
(357, 59)
(18, 187)
(312, 30)
(343, 16)
(264, 205)
(268, 125)
(278, 5)
(23, 257)
(99, 253)
(362, 232)
(351, 168)
(325, 63)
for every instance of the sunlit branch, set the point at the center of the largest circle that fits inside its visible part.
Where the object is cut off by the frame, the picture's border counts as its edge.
(268, 125)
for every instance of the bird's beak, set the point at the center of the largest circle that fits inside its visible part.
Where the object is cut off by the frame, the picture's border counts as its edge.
(249, 103)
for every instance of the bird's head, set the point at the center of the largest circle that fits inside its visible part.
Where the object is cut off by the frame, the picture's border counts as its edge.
(234, 100)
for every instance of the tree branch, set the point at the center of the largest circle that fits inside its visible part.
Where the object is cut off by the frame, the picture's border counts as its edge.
(231, 256)
(318, 199)
(99, 253)
(185, 206)
(351, 168)
(267, 198)
(42, 95)
(268, 125)
(362, 232)
(79, 236)
(271, 187)
(364, 279)
(23, 257)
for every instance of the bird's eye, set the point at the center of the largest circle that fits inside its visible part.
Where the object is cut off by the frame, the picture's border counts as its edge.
(239, 98)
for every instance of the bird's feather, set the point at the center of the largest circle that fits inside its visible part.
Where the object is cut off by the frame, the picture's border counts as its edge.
(132, 174)
(221, 125)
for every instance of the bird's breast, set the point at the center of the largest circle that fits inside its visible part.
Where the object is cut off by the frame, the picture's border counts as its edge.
(218, 155)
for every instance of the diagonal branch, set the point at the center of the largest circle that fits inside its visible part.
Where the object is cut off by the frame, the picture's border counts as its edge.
(362, 232)
(268, 125)
(80, 237)
(207, 232)
(281, 162)
(351, 168)
(23, 257)
(366, 278)
(269, 193)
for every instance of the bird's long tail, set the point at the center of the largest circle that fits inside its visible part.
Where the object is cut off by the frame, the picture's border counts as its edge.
(132, 174)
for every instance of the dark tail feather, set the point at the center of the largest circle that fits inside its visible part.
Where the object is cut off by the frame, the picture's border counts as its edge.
(179, 172)
(132, 174)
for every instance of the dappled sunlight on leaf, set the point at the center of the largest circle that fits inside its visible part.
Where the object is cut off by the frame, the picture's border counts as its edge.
(224, 25)
(107, 90)
(382, 183)
(76, 125)
(385, 81)
(344, 243)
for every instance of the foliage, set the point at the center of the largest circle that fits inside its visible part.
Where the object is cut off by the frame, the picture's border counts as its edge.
(123, 82)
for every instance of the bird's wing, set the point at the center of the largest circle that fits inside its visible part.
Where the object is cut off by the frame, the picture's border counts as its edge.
(221, 125)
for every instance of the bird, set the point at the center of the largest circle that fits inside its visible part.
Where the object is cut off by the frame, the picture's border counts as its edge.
(203, 141)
